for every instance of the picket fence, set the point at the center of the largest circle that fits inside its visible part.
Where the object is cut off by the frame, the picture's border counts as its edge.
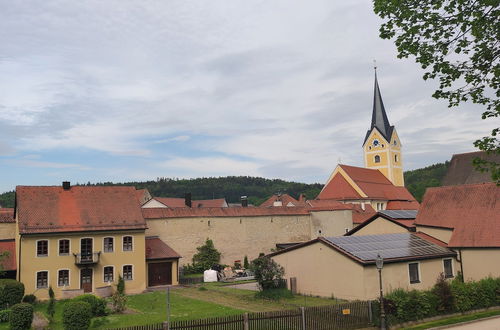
(351, 315)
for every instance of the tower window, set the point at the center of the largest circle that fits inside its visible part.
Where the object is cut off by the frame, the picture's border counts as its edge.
(377, 159)
(395, 158)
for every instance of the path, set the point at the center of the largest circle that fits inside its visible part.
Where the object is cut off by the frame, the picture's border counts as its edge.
(491, 323)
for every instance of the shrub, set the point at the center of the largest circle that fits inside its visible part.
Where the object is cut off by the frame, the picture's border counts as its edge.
(206, 257)
(11, 292)
(444, 295)
(77, 315)
(51, 308)
(268, 273)
(120, 287)
(97, 305)
(413, 305)
(119, 302)
(245, 263)
(4, 315)
(29, 298)
(21, 316)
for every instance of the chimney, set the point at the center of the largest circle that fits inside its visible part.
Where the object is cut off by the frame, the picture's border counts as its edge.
(244, 201)
(187, 199)
(302, 198)
(363, 206)
(66, 185)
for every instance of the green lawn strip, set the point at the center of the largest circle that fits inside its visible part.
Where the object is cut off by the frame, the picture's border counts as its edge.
(454, 320)
(192, 275)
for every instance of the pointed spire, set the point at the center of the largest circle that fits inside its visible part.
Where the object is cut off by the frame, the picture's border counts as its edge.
(379, 117)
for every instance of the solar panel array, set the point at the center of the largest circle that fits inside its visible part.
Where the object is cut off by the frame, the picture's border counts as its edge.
(400, 214)
(388, 246)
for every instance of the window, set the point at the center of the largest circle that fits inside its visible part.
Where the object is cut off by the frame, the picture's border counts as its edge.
(63, 277)
(42, 248)
(380, 206)
(42, 279)
(395, 158)
(377, 159)
(127, 243)
(63, 246)
(127, 272)
(448, 268)
(108, 274)
(108, 244)
(414, 275)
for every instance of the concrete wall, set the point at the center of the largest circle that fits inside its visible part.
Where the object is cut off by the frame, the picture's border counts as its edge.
(29, 264)
(236, 237)
(441, 234)
(479, 263)
(323, 271)
(7, 230)
(380, 226)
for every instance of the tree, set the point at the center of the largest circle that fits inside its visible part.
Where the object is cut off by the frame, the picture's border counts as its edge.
(268, 273)
(207, 256)
(457, 42)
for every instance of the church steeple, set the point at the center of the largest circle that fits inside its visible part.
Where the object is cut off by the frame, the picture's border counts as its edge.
(382, 148)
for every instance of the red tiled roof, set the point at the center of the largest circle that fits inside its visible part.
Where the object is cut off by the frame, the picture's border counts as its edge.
(174, 202)
(7, 215)
(9, 262)
(372, 182)
(461, 170)
(402, 205)
(338, 188)
(81, 208)
(285, 199)
(160, 212)
(157, 249)
(142, 195)
(472, 211)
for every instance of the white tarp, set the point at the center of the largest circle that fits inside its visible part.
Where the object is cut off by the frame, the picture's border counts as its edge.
(210, 276)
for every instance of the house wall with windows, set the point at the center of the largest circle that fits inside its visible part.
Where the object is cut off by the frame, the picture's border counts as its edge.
(35, 259)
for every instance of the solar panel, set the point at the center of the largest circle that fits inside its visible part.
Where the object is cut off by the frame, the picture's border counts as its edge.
(400, 214)
(388, 246)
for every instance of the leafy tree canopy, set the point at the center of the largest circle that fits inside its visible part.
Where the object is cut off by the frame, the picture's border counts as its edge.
(456, 42)
(207, 256)
(267, 272)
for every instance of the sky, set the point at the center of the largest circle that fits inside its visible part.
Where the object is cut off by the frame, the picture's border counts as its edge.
(94, 91)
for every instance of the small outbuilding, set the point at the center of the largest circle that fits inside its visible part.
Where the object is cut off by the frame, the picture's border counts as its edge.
(344, 266)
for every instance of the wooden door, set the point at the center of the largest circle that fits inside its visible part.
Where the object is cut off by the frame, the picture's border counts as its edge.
(86, 280)
(159, 273)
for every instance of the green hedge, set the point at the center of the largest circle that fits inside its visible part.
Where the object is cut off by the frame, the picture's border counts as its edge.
(4, 315)
(21, 316)
(98, 305)
(77, 315)
(11, 292)
(444, 298)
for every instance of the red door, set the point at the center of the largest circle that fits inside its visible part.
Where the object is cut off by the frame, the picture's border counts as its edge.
(86, 280)
(159, 273)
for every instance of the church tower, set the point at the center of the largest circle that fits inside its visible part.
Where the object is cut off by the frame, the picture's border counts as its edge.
(382, 147)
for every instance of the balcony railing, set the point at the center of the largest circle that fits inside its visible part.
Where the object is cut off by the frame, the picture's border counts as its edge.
(87, 258)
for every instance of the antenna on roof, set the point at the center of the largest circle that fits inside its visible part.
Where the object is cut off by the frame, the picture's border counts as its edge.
(375, 65)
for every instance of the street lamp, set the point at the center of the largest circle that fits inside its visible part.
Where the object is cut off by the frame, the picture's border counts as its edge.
(379, 262)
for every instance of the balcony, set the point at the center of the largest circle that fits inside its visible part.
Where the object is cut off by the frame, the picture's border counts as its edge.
(86, 259)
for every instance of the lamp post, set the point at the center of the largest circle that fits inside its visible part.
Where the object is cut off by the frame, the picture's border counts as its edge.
(379, 262)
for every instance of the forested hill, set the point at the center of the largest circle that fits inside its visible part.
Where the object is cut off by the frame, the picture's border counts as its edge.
(257, 189)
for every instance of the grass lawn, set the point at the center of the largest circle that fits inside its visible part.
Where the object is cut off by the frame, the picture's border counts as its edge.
(454, 320)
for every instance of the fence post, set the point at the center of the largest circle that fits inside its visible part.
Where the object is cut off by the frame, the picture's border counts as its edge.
(166, 326)
(245, 321)
(370, 312)
(303, 315)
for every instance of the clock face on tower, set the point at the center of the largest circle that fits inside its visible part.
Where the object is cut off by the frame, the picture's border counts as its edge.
(375, 143)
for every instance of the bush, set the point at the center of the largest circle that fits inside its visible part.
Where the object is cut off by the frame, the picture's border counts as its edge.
(120, 287)
(268, 273)
(29, 298)
(444, 295)
(206, 257)
(51, 308)
(11, 292)
(97, 305)
(77, 315)
(4, 315)
(246, 264)
(21, 316)
(119, 302)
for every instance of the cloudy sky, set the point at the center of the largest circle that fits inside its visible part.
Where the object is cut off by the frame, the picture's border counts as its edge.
(134, 90)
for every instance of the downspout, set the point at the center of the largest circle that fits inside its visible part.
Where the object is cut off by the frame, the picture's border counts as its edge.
(461, 264)
(19, 258)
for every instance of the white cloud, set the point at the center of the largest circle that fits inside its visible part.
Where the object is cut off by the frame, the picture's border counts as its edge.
(208, 166)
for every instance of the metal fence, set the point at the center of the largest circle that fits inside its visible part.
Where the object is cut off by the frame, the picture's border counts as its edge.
(343, 316)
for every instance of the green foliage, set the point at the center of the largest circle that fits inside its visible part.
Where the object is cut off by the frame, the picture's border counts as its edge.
(444, 295)
(473, 295)
(120, 287)
(268, 273)
(119, 301)
(7, 199)
(98, 305)
(3, 255)
(274, 294)
(11, 292)
(206, 257)
(456, 42)
(77, 315)
(51, 308)
(4, 315)
(246, 264)
(417, 181)
(21, 316)
(30, 299)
